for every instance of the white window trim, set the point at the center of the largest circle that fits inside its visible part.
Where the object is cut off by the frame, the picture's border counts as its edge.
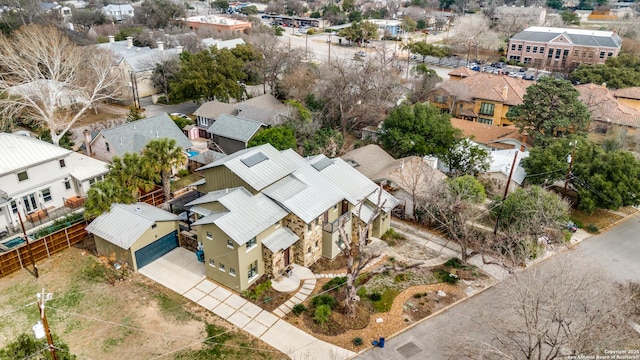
(232, 273)
(230, 246)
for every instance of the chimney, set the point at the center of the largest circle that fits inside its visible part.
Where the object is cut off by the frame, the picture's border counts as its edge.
(129, 42)
(179, 49)
(505, 91)
(112, 38)
(604, 85)
(160, 45)
(87, 142)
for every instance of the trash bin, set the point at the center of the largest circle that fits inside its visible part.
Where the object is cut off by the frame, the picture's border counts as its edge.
(374, 342)
(381, 342)
(200, 255)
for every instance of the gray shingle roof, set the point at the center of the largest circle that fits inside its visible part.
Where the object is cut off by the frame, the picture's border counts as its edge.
(214, 109)
(236, 128)
(124, 224)
(134, 136)
(264, 108)
(576, 36)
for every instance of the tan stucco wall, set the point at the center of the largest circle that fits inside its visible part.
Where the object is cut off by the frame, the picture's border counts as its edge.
(632, 103)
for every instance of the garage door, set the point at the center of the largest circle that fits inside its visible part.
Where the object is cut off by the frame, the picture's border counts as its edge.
(156, 249)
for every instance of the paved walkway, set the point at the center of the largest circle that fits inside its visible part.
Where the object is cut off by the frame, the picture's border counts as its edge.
(181, 272)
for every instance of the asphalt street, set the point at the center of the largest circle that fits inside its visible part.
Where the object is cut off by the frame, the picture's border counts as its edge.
(616, 250)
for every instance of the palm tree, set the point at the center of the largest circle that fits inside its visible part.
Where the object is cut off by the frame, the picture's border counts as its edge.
(102, 195)
(133, 173)
(163, 154)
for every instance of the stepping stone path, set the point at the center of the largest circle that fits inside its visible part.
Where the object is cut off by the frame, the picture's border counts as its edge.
(301, 295)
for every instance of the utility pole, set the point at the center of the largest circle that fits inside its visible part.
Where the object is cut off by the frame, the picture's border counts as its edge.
(506, 192)
(42, 299)
(306, 45)
(570, 161)
(26, 239)
(329, 41)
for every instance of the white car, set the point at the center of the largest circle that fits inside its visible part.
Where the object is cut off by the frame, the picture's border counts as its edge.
(180, 115)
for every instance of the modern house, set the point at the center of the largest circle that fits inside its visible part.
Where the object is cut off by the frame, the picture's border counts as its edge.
(233, 133)
(149, 233)
(133, 137)
(135, 64)
(481, 97)
(118, 12)
(492, 137)
(611, 107)
(38, 178)
(265, 209)
(559, 49)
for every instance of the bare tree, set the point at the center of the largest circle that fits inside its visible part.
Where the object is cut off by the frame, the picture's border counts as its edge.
(276, 58)
(299, 82)
(552, 313)
(416, 178)
(356, 253)
(49, 80)
(474, 31)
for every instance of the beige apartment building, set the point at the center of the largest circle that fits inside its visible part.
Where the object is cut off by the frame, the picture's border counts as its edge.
(562, 49)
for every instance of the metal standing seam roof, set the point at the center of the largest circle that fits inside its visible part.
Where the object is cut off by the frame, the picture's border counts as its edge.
(280, 239)
(134, 136)
(85, 167)
(20, 152)
(306, 192)
(236, 128)
(355, 186)
(248, 215)
(501, 161)
(124, 224)
(260, 175)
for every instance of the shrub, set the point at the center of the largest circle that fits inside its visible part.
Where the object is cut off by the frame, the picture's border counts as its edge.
(362, 292)
(357, 341)
(336, 282)
(401, 278)
(392, 237)
(374, 296)
(454, 263)
(444, 276)
(298, 309)
(593, 229)
(322, 315)
(579, 224)
(256, 291)
(324, 299)
(183, 172)
(419, 295)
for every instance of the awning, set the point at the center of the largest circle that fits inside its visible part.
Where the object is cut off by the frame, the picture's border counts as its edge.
(280, 239)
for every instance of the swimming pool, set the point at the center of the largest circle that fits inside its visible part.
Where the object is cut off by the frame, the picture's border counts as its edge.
(192, 153)
(13, 242)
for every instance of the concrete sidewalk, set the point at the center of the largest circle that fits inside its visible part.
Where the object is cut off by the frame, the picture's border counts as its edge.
(180, 271)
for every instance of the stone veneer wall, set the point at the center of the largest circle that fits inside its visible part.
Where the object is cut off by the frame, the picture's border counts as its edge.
(355, 228)
(273, 262)
(308, 240)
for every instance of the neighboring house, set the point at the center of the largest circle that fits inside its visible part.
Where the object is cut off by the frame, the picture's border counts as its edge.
(135, 64)
(216, 22)
(482, 97)
(525, 16)
(44, 90)
(204, 158)
(393, 27)
(562, 48)
(233, 133)
(492, 137)
(404, 177)
(629, 97)
(498, 173)
(460, 73)
(118, 12)
(264, 108)
(133, 137)
(222, 44)
(135, 234)
(610, 107)
(265, 209)
(37, 177)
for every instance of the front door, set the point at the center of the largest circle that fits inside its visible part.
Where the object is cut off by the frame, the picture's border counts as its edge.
(30, 203)
(286, 257)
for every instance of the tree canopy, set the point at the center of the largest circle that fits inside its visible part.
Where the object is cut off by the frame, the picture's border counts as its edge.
(360, 32)
(159, 14)
(465, 158)
(419, 129)
(550, 108)
(617, 72)
(26, 347)
(213, 74)
(281, 137)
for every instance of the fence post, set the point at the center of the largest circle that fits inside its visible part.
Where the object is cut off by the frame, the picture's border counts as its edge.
(19, 258)
(66, 235)
(46, 246)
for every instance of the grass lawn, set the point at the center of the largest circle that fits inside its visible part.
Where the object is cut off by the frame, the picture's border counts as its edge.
(184, 181)
(131, 319)
(600, 218)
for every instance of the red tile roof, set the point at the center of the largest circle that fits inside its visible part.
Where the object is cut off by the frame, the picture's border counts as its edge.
(499, 88)
(487, 134)
(462, 72)
(628, 93)
(605, 107)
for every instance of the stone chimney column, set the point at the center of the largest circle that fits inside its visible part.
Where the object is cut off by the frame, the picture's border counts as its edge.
(129, 42)
(112, 38)
(160, 45)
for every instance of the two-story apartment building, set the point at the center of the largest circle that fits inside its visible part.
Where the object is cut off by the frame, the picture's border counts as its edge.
(559, 49)
(481, 97)
(37, 177)
(265, 209)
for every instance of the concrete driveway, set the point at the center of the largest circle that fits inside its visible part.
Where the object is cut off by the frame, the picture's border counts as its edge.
(178, 270)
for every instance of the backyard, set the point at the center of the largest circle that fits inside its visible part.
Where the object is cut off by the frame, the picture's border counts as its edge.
(133, 318)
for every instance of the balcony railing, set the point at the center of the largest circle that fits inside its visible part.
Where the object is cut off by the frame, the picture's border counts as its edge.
(332, 227)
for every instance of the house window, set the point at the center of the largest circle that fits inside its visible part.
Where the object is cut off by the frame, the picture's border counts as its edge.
(92, 181)
(107, 146)
(230, 244)
(558, 51)
(308, 227)
(519, 47)
(209, 235)
(232, 271)
(528, 48)
(212, 263)
(309, 250)
(67, 185)
(14, 207)
(527, 60)
(253, 242)
(485, 121)
(535, 49)
(335, 207)
(541, 49)
(513, 46)
(601, 54)
(62, 164)
(154, 226)
(221, 267)
(46, 195)
(487, 109)
(316, 244)
(22, 176)
(610, 54)
(252, 270)
(550, 55)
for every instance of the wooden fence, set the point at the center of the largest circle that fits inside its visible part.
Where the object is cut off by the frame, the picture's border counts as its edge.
(154, 197)
(42, 248)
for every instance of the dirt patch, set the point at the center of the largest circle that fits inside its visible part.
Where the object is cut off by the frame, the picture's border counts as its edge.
(133, 319)
(600, 218)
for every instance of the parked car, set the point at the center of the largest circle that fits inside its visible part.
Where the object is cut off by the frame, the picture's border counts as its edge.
(529, 77)
(523, 69)
(476, 68)
(571, 226)
(180, 115)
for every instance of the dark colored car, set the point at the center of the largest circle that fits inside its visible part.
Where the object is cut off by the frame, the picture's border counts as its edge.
(529, 77)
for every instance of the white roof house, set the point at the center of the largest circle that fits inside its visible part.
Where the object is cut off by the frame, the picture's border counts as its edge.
(118, 12)
(500, 167)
